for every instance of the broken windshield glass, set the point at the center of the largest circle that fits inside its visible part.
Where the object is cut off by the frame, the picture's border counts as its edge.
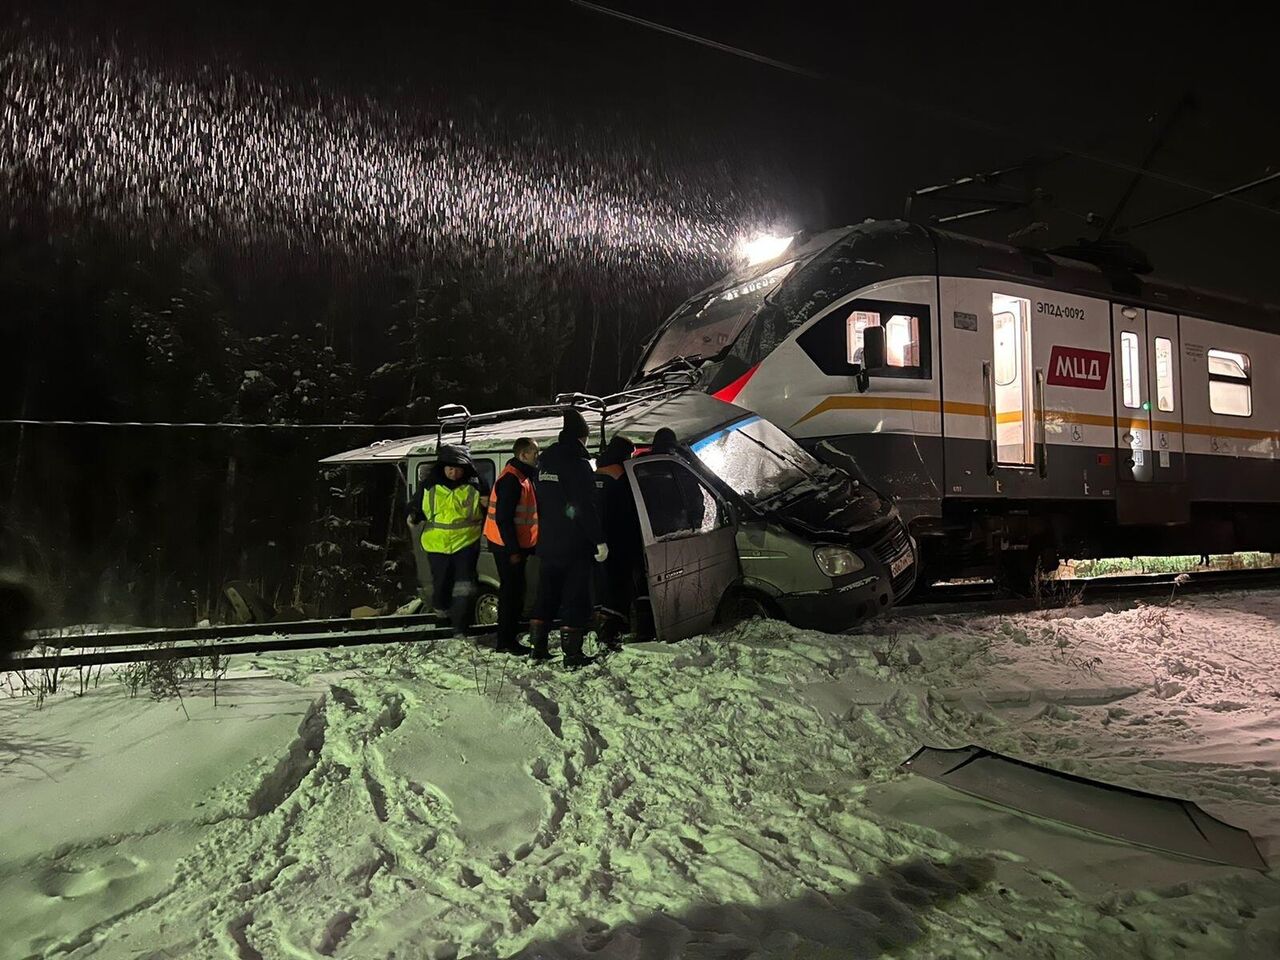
(707, 326)
(758, 460)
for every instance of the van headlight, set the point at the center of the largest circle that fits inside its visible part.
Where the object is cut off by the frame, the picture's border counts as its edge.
(837, 561)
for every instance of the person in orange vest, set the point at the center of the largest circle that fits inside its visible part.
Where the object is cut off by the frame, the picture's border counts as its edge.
(616, 577)
(512, 531)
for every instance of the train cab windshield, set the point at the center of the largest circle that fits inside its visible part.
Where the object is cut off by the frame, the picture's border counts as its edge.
(758, 461)
(707, 326)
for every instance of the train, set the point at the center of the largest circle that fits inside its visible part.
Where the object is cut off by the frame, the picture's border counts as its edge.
(1020, 407)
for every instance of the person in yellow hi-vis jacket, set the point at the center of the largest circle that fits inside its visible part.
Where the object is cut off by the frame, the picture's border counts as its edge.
(448, 515)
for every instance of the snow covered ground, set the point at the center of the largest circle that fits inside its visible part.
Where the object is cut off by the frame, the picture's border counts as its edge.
(736, 795)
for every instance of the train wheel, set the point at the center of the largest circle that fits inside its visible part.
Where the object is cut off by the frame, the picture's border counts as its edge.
(1018, 572)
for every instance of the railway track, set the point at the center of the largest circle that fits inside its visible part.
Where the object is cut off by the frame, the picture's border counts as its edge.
(59, 650)
(943, 598)
(131, 646)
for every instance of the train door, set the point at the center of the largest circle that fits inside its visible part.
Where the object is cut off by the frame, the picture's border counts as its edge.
(997, 343)
(690, 545)
(1134, 458)
(1011, 382)
(1163, 350)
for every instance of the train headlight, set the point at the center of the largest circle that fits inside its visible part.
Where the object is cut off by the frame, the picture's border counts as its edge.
(837, 561)
(762, 248)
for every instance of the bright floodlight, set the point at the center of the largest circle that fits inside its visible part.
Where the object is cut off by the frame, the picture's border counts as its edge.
(763, 247)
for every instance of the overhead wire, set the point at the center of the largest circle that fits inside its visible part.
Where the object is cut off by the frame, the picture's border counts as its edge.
(956, 116)
(1224, 195)
(227, 425)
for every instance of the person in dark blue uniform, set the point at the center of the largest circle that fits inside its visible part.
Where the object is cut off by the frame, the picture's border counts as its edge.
(618, 575)
(570, 542)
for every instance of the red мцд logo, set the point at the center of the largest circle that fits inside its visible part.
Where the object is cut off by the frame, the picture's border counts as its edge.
(1077, 367)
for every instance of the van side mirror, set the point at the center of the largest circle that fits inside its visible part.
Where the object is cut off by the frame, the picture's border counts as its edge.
(873, 349)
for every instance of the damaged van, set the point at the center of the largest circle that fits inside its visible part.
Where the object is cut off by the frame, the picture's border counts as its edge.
(738, 520)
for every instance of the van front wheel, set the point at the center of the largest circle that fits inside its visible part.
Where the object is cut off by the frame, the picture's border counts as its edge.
(739, 607)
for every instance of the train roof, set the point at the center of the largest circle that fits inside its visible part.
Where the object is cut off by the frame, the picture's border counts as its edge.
(878, 250)
(879, 243)
(690, 413)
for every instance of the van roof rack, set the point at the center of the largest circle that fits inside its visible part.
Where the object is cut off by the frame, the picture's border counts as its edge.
(455, 416)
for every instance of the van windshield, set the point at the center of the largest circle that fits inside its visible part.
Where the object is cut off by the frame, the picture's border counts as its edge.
(757, 459)
(707, 327)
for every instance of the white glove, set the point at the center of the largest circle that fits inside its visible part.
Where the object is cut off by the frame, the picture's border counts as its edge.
(602, 552)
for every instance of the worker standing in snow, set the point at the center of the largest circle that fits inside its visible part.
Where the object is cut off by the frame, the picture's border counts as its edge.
(616, 579)
(448, 517)
(512, 531)
(569, 539)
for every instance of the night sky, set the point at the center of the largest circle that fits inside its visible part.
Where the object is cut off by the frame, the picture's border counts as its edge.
(910, 95)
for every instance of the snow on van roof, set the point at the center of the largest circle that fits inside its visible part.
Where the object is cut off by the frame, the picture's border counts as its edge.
(690, 414)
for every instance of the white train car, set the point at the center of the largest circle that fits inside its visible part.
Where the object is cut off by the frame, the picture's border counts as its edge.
(1027, 406)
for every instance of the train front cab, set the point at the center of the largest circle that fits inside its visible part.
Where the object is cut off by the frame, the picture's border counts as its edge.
(1017, 419)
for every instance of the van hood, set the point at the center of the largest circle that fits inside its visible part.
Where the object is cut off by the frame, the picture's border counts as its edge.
(842, 510)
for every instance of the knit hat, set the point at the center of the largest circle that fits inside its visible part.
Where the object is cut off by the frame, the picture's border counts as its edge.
(618, 450)
(454, 456)
(575, 426)
(664, 439)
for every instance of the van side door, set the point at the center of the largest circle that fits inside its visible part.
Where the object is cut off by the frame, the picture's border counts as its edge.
(690, 548)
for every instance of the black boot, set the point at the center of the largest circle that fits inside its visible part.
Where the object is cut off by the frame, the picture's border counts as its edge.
(571, 644)
(512, 646)
(609, 631)
(459, 612)
(538, 631)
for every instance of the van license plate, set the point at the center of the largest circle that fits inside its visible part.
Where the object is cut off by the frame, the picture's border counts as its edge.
(899, 564)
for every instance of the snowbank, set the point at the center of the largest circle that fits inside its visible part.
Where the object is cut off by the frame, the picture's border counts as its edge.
(729, 796)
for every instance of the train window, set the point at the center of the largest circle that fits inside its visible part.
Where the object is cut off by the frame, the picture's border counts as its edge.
(1006, 328)
(1129, 370)
(834, 342)
(1230, 383)
(857, 322)
(901, 337)
(1164, 374)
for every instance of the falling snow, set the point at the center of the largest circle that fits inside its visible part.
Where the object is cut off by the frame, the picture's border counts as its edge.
(222, 155)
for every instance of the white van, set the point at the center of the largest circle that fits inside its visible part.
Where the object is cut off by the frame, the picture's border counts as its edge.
(770, 530)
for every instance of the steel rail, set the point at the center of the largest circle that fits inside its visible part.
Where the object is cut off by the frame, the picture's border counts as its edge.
(213, 634)
(1056, 594)
(132, 646)
(159, 645)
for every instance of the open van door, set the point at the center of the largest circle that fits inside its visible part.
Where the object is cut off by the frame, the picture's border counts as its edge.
(690, 548)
